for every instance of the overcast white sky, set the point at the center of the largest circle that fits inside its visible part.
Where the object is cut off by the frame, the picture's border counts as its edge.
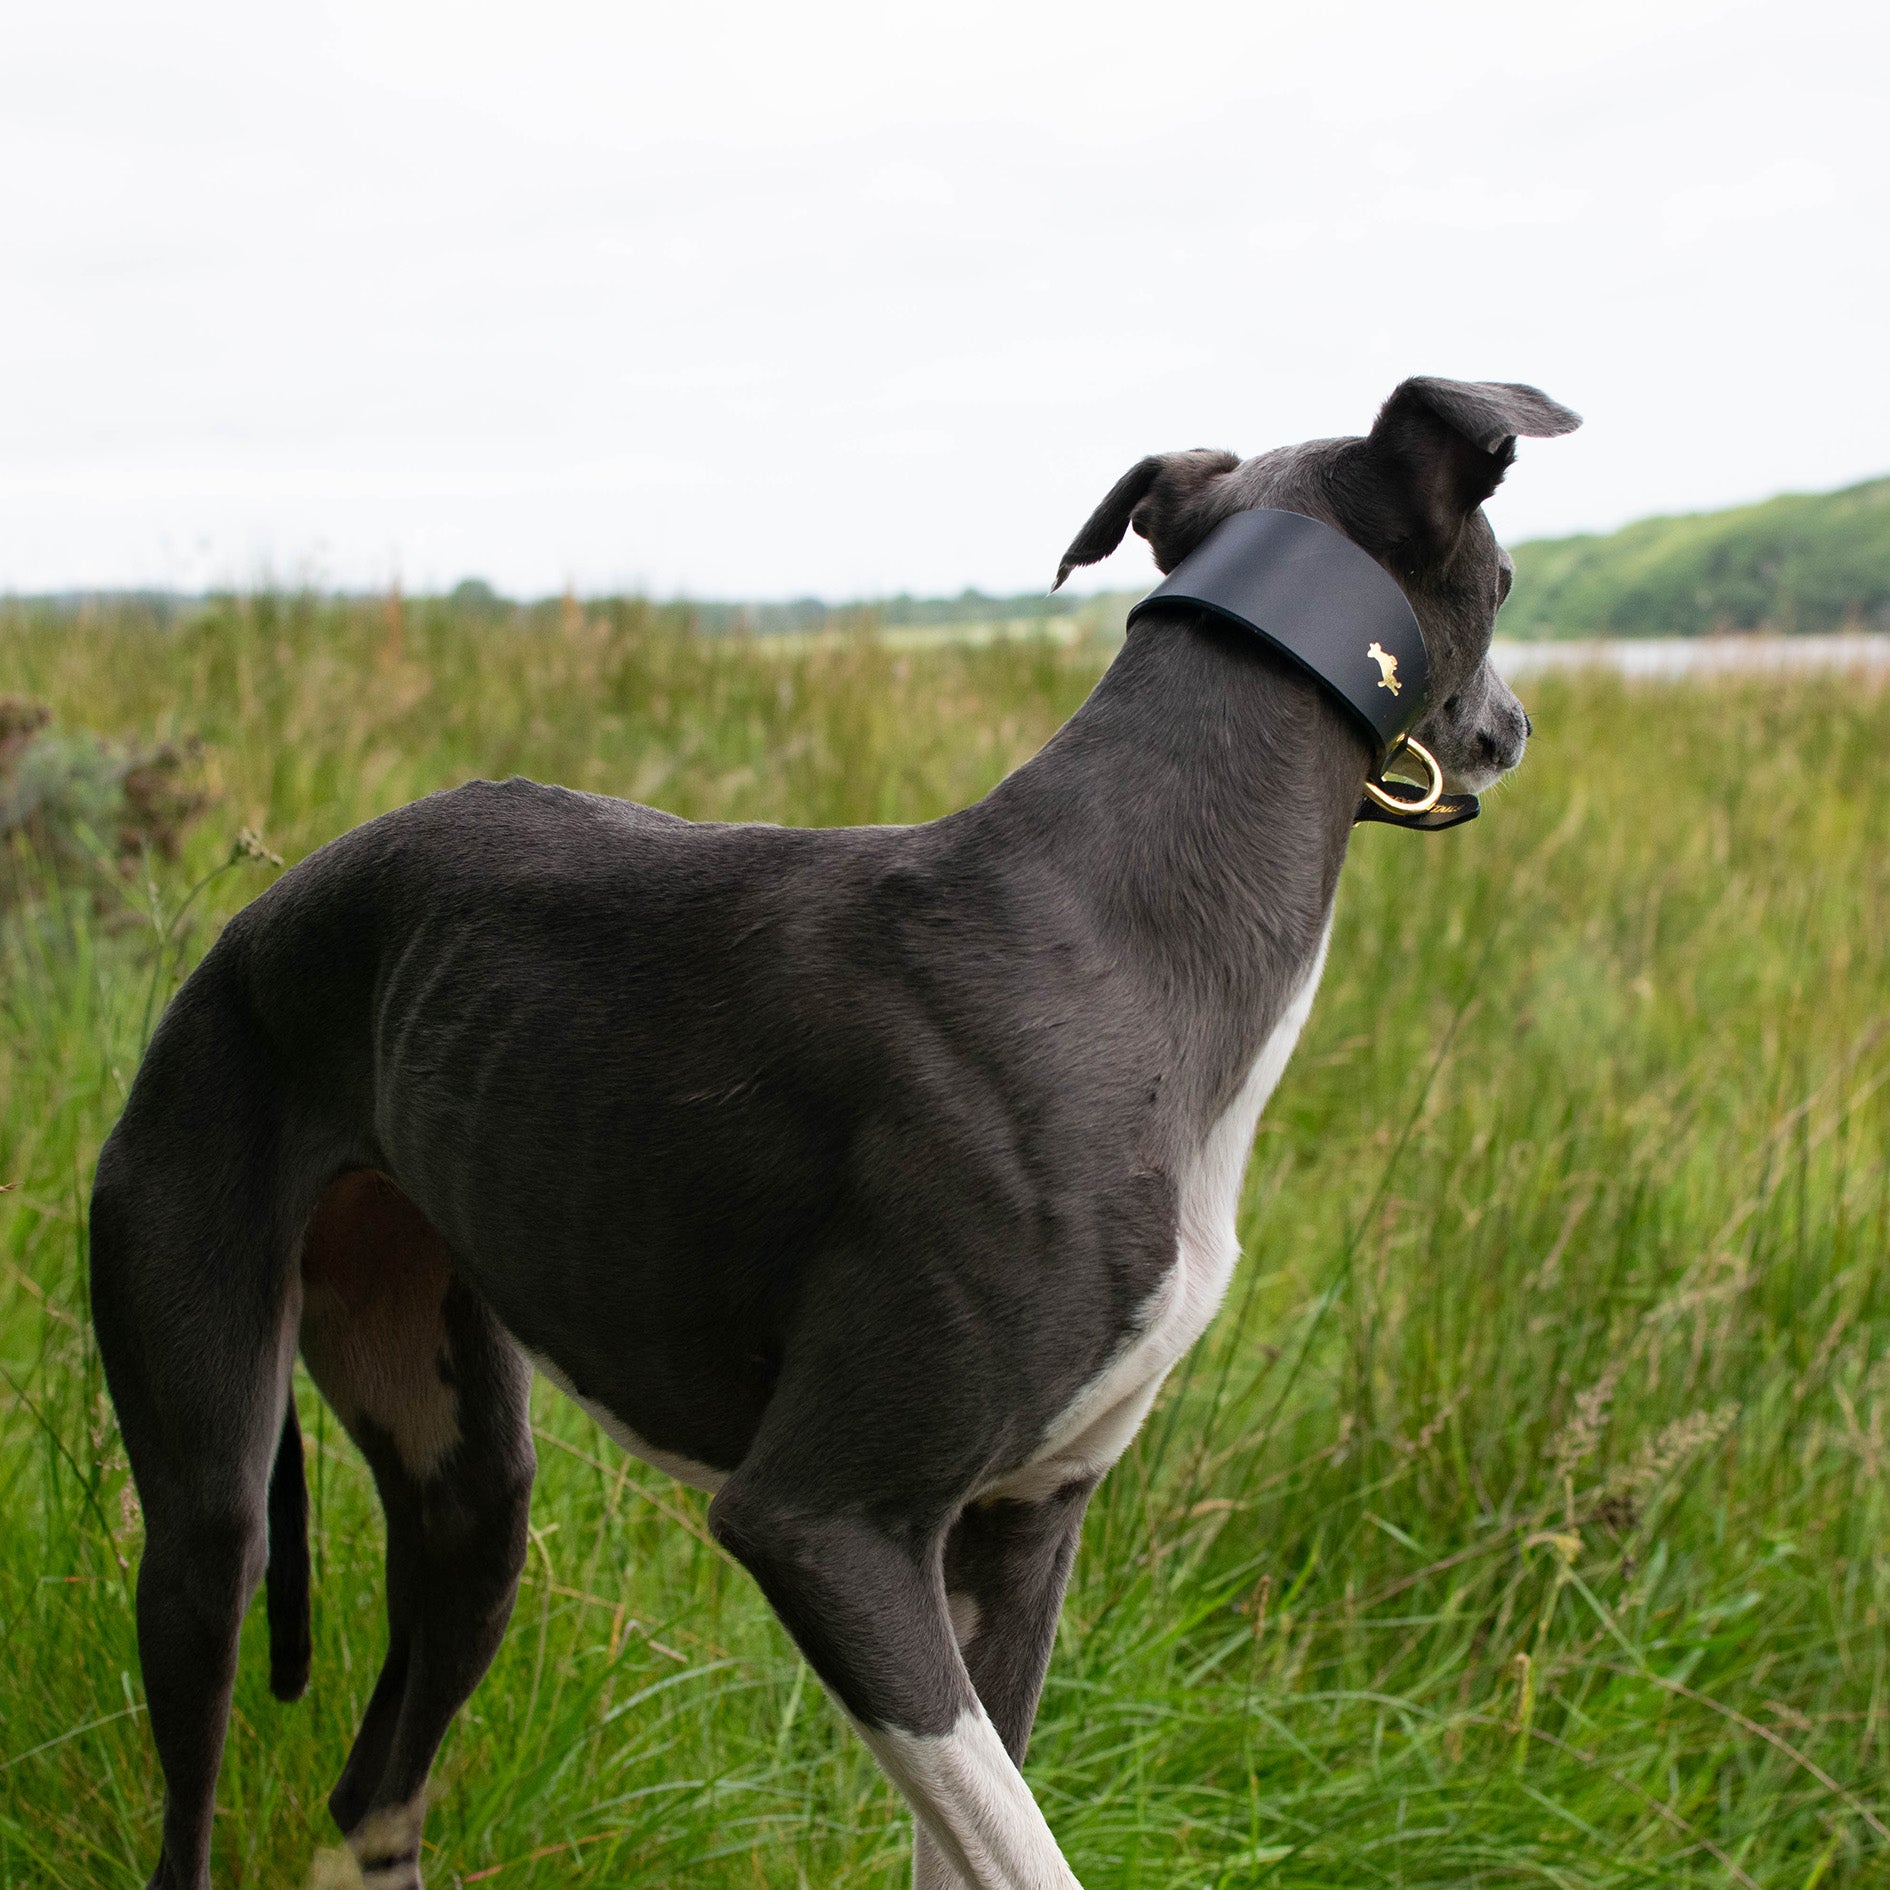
(756, 300)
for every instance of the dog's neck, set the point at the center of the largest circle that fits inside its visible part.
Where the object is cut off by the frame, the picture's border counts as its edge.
(1199, 804)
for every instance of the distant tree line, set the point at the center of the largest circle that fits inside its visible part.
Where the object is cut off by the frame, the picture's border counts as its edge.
(475, 600)
(1804, 562)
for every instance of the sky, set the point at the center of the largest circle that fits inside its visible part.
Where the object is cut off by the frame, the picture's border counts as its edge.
(755, 301)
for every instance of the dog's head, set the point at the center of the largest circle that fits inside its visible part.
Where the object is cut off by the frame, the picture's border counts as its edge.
(1411, 493)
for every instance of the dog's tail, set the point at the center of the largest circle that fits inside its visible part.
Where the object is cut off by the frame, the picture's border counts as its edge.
(290, 1641)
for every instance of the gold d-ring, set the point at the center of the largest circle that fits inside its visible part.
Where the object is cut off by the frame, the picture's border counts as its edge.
(1391, 803)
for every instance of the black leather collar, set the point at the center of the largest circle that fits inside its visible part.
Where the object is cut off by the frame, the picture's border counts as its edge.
(1334, 609)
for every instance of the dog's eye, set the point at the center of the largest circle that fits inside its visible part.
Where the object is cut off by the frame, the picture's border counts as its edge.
(1505, 577)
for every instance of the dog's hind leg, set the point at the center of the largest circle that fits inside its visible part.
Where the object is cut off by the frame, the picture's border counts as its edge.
(436, 1395)
(194, 1302)
(467, 1526)
(1007, 1563)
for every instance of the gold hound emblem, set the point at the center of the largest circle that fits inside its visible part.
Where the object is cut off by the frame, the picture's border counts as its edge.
(1387, 668)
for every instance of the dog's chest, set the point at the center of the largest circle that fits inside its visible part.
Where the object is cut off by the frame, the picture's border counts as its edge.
(1095, 1427)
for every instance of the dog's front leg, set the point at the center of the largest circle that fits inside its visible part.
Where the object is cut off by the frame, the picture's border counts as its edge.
(1007, 1563)
(867, 1605)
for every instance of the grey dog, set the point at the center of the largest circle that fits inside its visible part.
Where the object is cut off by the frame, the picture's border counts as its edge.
(871, 1179)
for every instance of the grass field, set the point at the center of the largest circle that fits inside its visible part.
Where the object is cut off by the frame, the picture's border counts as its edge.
(1523, 1519)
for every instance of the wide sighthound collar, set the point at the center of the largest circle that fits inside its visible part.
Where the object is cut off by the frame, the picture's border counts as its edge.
(1334, 609)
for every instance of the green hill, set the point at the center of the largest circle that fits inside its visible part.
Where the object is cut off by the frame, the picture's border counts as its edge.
(1807, 561)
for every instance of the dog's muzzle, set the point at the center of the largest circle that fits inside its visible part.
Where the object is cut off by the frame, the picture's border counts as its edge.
(1310, 592)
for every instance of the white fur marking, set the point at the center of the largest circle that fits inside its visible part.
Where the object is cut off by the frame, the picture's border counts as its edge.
(697, 1475)
(390, 1833)
(1095, 1428)
(379, 1373)
(930, 1871)
(975, 1804)
(966, 1616)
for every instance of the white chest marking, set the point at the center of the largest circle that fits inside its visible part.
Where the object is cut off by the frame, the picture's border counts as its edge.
(697, 1475)
(1096, 1426)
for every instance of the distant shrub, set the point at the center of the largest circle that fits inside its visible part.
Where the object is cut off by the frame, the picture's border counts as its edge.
(73, 799)
(474, 597)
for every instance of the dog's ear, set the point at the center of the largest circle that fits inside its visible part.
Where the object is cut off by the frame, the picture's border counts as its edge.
(1168, 498)
(1442, 447)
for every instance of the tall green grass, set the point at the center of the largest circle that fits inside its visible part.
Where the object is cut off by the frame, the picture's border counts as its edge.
(1522, 1520)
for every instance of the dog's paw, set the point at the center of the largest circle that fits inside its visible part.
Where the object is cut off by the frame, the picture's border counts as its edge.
(382, 1853)
(333, 1870)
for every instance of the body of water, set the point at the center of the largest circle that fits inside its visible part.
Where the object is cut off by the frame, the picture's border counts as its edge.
(1668, 657)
